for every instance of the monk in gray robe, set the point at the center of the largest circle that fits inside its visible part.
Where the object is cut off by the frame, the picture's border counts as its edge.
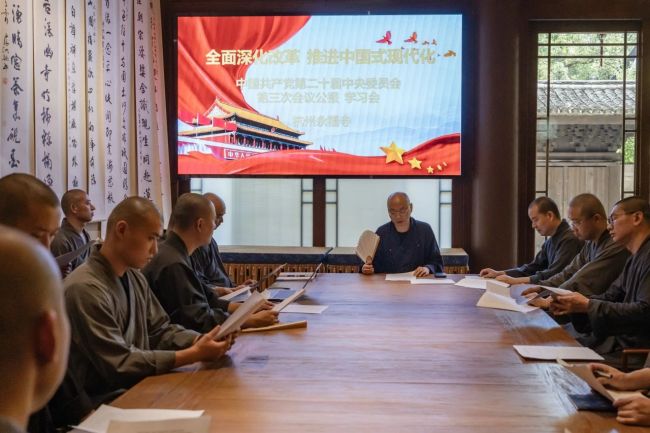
(78, 211)
(600, 261)
(556, 253)
(34, 329)
(619, 318)
(120, 333)
(186, 299)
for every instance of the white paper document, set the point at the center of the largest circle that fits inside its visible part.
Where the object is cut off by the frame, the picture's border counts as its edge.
(404, 276)
(584, 372)
(229, 296)
(498, 297)
(99, 420)
(236, 319)
(183, 425)
(304, 309)
(474, 282)
(551, 353)
(367, 245)
(420, 281)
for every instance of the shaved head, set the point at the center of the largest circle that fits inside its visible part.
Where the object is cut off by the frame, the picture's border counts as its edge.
(635, 204)
(136, 211)
(18, 192)
(589, 205)
(33, 324)
(219, 207)
(132, 232)
(71, 198)
(218, 203)
(189, 208)
(30, 206)
(398, 199)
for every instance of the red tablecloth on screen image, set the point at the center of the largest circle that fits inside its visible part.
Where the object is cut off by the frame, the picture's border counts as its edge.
(443, 151)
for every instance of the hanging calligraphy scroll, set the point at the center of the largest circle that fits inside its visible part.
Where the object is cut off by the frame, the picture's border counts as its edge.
(161, 114)
(76, 94)
(16, 87)
(94, 110)
(111, 132)
(144, 102)
(125, 91)
(49, 90)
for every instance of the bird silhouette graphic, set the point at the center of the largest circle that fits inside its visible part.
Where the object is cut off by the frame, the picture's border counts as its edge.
(413, 39)
(434, 42)
(450, 53)
(425, 43)
(386, 39)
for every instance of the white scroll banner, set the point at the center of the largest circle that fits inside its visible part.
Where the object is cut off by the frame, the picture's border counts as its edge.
(161, 112)
(125, 96)
(49, 88)
(144, 101)
(77, 176)
(111, 133)
(16, 87)
(95, 110)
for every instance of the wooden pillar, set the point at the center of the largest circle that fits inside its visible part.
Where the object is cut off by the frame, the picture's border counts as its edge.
(494, 178)
(319, 206)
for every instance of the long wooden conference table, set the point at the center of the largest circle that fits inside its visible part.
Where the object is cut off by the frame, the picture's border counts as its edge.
(385, 357)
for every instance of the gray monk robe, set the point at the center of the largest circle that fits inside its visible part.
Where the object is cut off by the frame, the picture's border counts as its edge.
(620, 317)
(120, 333)
(594, 269)
(557, 252)
(174, 281)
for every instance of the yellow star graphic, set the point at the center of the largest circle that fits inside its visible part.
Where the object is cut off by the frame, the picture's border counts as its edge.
(429, 169)
(393, 153)
(415, 163)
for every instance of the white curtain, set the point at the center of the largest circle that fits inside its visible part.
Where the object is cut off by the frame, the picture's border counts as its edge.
(82, 101)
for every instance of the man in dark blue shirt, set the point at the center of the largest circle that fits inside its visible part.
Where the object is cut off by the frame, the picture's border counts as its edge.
(405, 244)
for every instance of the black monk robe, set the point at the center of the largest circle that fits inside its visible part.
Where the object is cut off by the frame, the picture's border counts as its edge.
(188, 301)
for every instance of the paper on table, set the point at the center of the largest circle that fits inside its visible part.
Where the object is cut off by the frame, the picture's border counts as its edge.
(98, 421)
(236, 319)
(551, 353)
(183, 425)
(367, 245)
(584, 372)
(293, 276)
(304, 309)
(432, 281)
(478, 283)
(498, 297)
(404, 276)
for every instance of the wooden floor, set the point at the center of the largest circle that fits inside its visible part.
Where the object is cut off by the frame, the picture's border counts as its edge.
(385, 357)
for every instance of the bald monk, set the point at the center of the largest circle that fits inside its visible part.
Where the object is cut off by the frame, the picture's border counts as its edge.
(173, 279)
(405, 244)
(78, 211)
(207, 261)
(557, 251)
(599, 262)
(120, 333)
(30, 206)
(34, 329)
(618, 318)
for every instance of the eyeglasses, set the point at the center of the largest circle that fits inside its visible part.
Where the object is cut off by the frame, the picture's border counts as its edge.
(401, 212)
(613, 217)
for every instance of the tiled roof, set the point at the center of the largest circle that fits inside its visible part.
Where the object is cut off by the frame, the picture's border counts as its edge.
(586, 98)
